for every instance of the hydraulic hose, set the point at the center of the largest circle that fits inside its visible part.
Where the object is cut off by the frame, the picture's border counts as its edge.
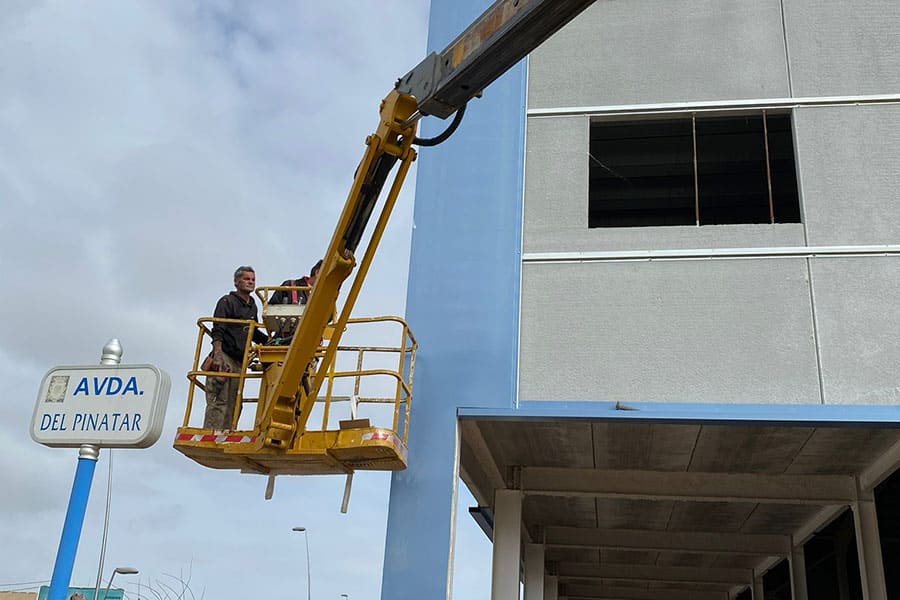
(426, 142)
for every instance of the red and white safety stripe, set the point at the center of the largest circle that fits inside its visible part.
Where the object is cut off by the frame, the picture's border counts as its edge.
(385, 436)
(217, 438)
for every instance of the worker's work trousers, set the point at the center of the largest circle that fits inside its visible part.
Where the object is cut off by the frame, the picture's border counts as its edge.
(221, 394)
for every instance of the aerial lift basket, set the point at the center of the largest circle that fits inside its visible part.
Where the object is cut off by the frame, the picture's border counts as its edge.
(363, 405)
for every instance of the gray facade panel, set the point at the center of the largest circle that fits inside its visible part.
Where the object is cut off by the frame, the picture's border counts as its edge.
(850, 183)
(556, 204)
(859, 328)
(694, 331)
(556, 180)
(646, 51)
(843, 48)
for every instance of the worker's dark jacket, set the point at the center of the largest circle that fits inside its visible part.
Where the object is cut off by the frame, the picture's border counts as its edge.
(286, 297)
(234, 335)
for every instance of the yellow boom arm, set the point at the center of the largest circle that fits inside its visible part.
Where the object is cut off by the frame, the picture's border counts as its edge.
(291, 404)
(440, 85)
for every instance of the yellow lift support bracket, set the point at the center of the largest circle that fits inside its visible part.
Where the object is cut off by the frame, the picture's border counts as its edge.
(392, 142)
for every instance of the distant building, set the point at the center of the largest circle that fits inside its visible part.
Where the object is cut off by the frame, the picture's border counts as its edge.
(654, 280)
(18, 595)
(84, 594)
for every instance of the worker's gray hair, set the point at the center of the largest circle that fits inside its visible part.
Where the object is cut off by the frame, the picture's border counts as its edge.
(241, 270)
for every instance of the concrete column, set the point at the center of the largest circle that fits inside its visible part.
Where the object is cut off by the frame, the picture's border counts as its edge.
(551, 587)
(758, 591)
(797, 561)
(507, 544)
(868, 546)
(534, 571)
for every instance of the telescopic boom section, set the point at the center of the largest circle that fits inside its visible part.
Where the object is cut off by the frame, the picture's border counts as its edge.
(497, 40)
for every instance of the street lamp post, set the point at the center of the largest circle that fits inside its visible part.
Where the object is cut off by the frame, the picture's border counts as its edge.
(308, 578)
(121, 571)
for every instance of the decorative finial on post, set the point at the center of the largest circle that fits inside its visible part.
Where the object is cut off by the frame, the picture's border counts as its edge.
(112, 353)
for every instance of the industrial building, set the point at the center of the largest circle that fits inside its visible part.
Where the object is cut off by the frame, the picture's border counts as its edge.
(653, 279)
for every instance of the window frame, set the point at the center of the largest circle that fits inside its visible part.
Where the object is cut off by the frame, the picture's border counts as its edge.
(789, 208)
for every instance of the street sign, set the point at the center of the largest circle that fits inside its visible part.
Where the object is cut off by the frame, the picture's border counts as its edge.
(111, 406)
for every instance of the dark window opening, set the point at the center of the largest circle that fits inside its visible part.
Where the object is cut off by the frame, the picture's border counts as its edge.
(777, 582)
(887, 505)
(832, 564)
(693, 171)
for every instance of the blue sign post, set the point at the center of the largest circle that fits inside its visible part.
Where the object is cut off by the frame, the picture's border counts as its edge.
(71, 533)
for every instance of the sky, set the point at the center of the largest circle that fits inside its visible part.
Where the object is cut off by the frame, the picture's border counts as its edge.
(147, 148)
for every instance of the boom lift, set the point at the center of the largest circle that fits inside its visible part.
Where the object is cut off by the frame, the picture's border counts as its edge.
(290, 377)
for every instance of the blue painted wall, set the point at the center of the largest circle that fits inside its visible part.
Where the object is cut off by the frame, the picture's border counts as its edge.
(462, 305)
